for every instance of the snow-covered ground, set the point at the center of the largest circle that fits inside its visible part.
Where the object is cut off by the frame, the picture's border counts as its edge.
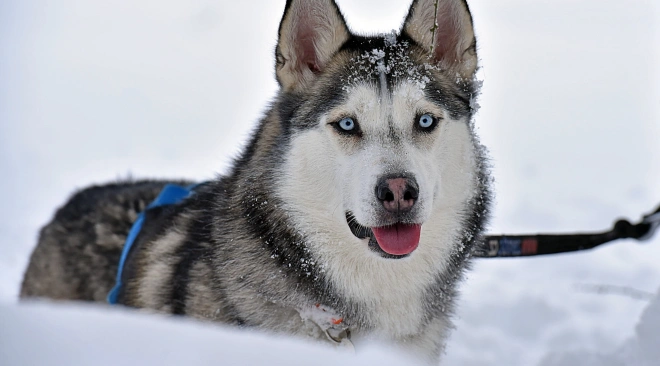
(91, 91)
(641, 349)
(79, 334)
(72, 335)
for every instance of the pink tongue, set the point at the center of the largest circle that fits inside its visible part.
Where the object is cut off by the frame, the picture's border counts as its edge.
(398, 239)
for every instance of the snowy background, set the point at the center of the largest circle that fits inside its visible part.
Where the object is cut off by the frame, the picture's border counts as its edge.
(91, 91)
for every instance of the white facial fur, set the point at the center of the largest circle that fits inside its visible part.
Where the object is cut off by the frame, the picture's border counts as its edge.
(327, 174)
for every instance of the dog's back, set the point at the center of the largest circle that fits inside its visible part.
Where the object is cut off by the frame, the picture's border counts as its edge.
(78, 251)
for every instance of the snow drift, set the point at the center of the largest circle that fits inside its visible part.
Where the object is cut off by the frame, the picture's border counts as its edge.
(643, 349)
(45, 333)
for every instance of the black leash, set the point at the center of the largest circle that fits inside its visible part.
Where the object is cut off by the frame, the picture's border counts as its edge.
(495, 246)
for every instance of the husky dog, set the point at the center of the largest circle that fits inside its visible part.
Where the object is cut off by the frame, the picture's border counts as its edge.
(350, 214)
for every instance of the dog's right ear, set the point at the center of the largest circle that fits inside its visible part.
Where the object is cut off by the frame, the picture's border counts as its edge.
(311, 32)
(444, 27)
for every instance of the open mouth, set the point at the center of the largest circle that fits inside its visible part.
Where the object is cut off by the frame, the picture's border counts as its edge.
(392, 241)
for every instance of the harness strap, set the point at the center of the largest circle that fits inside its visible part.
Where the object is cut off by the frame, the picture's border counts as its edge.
(171, 194)
(495, 246)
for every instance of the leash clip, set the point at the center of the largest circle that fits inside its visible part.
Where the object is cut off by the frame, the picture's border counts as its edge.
(653, 220)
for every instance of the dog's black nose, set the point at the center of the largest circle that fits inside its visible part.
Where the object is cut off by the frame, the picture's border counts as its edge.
(397, 194)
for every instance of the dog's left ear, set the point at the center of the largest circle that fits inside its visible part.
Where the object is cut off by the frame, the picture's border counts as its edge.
(444, 28)
(311, 32)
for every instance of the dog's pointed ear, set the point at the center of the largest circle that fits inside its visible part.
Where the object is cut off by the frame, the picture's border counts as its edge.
(311, 32)
(444, 28)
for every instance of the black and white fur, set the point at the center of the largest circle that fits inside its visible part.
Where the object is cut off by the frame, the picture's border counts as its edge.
(284, 236)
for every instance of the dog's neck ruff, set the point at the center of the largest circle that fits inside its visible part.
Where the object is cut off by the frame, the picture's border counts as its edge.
(170, 195)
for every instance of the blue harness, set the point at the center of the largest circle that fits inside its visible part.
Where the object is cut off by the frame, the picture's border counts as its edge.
(171, 194)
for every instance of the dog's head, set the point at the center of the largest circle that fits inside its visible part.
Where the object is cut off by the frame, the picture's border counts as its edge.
(381, 158)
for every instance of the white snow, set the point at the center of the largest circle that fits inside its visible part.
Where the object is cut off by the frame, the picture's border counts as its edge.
(48, 333)
(642, 349)
(77, 334)
(91, 91)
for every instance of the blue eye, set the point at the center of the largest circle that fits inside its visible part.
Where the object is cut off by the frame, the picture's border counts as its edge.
(426, 121)
(347, 124)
